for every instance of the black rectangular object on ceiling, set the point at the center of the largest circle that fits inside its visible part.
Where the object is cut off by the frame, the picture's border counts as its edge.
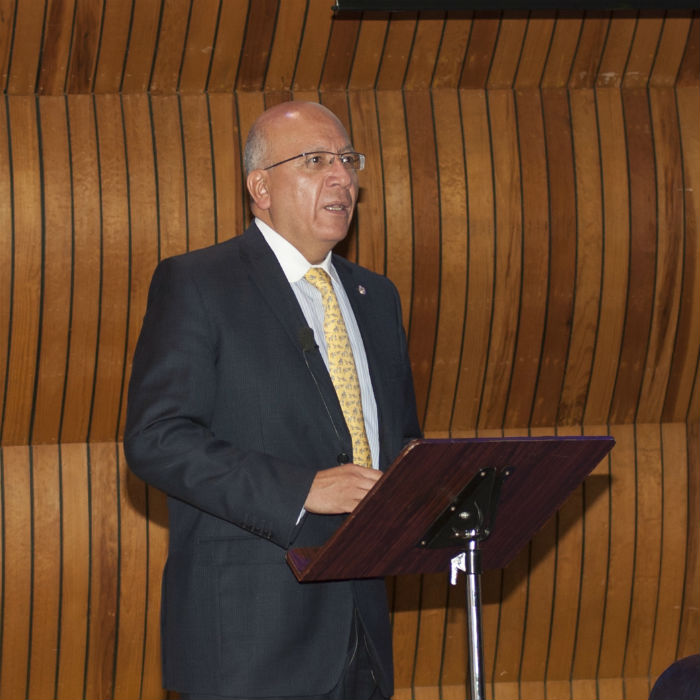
(520, 5)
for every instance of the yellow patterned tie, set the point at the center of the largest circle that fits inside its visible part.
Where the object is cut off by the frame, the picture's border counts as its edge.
(341, 366)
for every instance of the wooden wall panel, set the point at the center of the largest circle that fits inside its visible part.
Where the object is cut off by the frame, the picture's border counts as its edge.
(109, 72)
(371, 216)
(479, 268)
(395, 193)
(65, 523)
(615, 189)
(532, 190)
(169, 46)
(562, 257)
(25, 239)
(589, 257)
(453, 256)
(642, 260)
(535, 263)
(6, 250)
(57, 244)
(227, 46)
(685, 379)
(137, 66)
(508, 242)
(85, 269)
(426, 221)
(17, 558)
(74, 575)
(110, 363)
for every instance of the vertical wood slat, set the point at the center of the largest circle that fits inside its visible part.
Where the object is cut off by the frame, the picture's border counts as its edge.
(114, 265)
(142, 46)
(342, 43)
(507, 53)
(589, 257)
(84, 47)
(535, 260)
(56, 48)
(453, 255)
(170, 173)
(364, 129)
(227, 47)
(424, 49)
(170, 44)
(422, 160)
(453, 46)
(643, 241)
(75, 572)
(56, 274)
(482, 41)
(674, 533)
(6, 250)
(479, 265)
(395, 193)
(25, 239)
(562, 50)
(368, 52)
(690, 613)
(685, 379)
(116, 23)
(562, 257)
(615, 191)
(46, 556)
(508, 242)
(312, 46)
(394, 59)
(17, 540)
(23, 62)
(199, 47)
(283, 55)
(669, 258)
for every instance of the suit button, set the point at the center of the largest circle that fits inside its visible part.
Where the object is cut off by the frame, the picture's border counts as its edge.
(343, 458)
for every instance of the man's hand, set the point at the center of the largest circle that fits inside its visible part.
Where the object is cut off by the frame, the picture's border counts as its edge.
(340, 489)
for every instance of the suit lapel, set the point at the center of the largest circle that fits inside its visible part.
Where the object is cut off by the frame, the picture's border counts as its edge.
(267, 275)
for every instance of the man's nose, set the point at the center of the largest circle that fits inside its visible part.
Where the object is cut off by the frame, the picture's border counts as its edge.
(337, 172)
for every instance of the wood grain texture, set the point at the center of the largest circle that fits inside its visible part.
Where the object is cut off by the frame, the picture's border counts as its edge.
(532, 190)
(169, 46)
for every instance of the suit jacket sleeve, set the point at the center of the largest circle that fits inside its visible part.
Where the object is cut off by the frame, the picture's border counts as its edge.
(169, 440)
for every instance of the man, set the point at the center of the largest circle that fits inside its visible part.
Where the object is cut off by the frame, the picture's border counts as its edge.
(233, 413)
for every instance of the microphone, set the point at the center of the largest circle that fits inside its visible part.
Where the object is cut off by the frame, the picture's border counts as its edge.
(308, 344)
(306, 338)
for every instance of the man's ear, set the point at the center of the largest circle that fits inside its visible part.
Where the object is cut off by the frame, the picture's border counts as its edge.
(258, 188)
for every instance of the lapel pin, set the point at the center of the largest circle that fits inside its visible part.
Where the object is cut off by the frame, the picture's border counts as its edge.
(361, 289)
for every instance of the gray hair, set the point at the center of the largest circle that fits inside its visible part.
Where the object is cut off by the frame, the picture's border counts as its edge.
(255, 150)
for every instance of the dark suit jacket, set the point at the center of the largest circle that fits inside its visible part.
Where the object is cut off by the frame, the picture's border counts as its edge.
(231, 414)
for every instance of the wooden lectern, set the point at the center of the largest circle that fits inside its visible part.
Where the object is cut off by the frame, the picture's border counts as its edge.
(480, 499)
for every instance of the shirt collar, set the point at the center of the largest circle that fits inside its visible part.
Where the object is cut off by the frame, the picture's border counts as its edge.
(293, 263)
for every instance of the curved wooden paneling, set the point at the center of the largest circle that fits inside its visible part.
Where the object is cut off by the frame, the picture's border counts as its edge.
(596, 598)
(213, 45)
(532, 189)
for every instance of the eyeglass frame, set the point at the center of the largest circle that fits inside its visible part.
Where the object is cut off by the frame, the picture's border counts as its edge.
(362, 158)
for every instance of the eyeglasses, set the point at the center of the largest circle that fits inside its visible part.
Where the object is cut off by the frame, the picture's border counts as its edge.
(317, 161)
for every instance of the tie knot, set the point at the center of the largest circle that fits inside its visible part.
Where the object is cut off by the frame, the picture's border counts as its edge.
(319, 278)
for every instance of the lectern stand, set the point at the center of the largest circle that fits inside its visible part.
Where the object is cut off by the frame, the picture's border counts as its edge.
(483, 498)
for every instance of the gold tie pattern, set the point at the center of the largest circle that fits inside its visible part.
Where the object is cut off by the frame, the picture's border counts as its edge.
(341, 366)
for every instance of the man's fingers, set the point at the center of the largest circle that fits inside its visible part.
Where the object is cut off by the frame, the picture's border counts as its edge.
(340, 489)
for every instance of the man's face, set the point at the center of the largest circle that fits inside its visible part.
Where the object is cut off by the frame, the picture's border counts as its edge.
(312, 210)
